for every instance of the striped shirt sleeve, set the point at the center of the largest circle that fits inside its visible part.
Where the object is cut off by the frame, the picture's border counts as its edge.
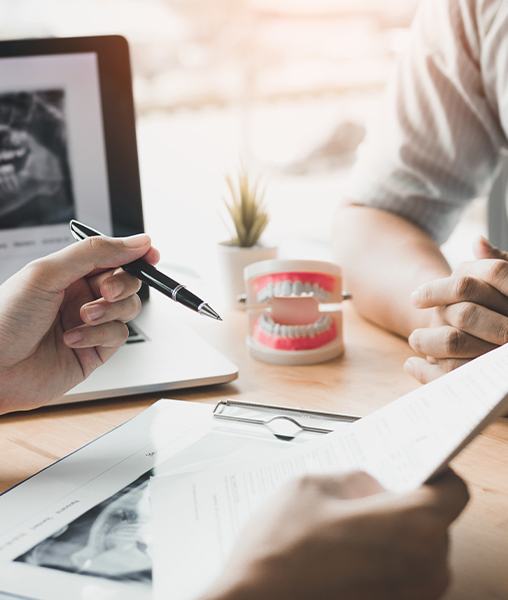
(437, 143)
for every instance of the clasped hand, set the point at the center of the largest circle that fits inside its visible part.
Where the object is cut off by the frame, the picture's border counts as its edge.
(468, 315)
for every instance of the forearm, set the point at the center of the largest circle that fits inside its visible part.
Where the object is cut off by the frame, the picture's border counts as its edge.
(385, 258)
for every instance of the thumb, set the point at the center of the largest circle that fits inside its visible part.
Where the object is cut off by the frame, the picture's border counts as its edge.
(484, 249)
(446, 495)
(58, 271)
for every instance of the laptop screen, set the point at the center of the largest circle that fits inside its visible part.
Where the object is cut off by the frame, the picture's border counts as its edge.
(52, 154)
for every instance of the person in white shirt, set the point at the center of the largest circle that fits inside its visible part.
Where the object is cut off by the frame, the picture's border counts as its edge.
(63, 316)
(438, 146)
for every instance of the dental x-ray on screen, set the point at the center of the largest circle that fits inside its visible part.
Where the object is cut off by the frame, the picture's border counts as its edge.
(35, 177)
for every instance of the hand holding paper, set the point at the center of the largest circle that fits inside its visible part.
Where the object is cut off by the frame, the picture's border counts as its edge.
(402, 445)
(331, 537)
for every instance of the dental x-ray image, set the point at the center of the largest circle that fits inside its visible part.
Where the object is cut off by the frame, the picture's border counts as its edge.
(35, 177)
(109, 540)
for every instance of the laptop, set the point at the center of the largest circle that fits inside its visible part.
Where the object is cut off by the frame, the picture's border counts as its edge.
(68, 150)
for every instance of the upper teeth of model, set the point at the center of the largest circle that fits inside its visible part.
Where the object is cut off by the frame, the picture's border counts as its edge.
(291, 288)
(268, 325)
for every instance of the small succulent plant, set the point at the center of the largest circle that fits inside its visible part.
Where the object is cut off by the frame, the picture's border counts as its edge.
(246, 208)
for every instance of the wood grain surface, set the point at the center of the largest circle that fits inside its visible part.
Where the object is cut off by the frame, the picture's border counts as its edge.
(368, 376)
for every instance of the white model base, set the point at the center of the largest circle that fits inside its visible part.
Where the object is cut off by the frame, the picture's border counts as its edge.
(295, 357)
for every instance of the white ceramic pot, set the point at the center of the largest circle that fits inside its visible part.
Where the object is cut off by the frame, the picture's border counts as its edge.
(232, 261)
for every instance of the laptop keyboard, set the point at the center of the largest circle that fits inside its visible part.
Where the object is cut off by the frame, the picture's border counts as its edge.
(135, 335)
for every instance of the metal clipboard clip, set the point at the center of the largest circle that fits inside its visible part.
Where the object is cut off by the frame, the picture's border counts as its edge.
(284, 423)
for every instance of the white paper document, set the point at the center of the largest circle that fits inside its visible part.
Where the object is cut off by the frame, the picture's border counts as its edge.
(200, 514)
(82, 528)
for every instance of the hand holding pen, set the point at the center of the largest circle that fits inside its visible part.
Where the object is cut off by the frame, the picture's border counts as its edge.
(63, 316)
(153, 277)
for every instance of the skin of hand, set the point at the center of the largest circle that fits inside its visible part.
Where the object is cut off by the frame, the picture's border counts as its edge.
(64, 315)
(384, 258)
(470, 314)
(331, 537)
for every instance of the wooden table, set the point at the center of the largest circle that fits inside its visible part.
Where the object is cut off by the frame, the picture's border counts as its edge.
(368, 376)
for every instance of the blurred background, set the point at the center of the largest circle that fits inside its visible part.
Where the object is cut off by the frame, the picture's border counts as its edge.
(285, 86)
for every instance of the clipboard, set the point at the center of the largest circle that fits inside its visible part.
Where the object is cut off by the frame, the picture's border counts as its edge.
(284, 423)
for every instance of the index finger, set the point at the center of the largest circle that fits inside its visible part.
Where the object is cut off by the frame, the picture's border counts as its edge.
(60, 269)
(462, 288)
(447, 496)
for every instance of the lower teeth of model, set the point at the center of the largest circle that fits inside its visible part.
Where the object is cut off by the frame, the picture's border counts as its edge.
(295, 331)
(291, 288)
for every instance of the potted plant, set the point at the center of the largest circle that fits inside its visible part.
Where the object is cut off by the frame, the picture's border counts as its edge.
(249, 218)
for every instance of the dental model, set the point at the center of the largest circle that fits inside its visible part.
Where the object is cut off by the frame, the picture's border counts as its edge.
(295, 317)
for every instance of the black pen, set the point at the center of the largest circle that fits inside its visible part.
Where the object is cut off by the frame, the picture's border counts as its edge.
(152, 277)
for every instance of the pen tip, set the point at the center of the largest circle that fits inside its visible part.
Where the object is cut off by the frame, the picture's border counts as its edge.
(208, 311)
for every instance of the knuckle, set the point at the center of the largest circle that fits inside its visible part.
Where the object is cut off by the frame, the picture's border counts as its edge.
(466, 315)
(306, 482)
(36, 270)
(356, 477)
(100, 334)
(362, 479)
(359, 483)
(502, 333)
(96, 243)
(497, 271)
(453, 341)
(465, 287)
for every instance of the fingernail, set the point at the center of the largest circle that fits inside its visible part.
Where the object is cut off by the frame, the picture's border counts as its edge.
(73, 337)
(94, 312)
(136, 241)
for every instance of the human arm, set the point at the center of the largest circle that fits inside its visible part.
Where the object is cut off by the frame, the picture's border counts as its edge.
(382, 275)
(63, 316)
(345, 538)
(436, 146)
